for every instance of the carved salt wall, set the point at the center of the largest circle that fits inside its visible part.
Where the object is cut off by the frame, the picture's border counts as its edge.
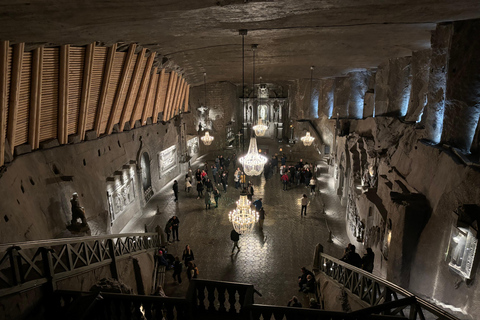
(36, 187)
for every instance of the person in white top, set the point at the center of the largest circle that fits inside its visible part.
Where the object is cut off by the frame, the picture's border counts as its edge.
(313, 183)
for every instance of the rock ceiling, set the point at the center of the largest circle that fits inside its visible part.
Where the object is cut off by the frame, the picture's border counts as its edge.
(198, 36)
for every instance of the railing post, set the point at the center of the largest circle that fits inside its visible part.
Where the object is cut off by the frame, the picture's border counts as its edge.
(317, 256)
(13, 253)
(48, 268)
(113, 264)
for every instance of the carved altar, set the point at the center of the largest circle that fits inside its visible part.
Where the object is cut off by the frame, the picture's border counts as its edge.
(265, 105)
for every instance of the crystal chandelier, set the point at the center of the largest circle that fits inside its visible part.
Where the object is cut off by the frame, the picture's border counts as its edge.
(243, 217)
(253, 162)
(207, 139)
(307, 140)
(260, 128)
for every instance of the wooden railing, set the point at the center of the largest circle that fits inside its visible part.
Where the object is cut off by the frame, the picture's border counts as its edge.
(30, 264)
(382, 296)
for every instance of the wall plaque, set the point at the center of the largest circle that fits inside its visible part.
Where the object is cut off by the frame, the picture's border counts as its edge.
(167, 160)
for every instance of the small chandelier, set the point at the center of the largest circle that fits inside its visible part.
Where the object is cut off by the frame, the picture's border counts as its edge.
(207, 139)
(253, 162)
(307, 140)
(260, 128)
(243, 217)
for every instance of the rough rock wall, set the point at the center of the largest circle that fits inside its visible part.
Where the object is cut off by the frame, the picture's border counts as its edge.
(222, 106)
(420, 70)
(305, 99)
(36, 188)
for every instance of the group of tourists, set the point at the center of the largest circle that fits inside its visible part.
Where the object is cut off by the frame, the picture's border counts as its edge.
(299, 174)
(351, 257)
(171, 262)
(307, 285)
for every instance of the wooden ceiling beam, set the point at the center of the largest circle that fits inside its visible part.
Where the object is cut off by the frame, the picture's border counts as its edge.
(131, 90)
(175, 97)
(171, 87)
(63, 94)
(85, 97)
(107, 75)
(4, 46)
(150, 96)
(187, 97)
(181, 91)
(16, 77)
(35, 98)
(141, 90)
(122, 86)
(157, 107)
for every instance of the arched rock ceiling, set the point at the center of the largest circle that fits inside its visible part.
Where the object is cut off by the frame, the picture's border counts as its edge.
(337, 36)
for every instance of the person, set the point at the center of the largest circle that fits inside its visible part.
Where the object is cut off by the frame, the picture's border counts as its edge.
(368, 260)
(209, 185)
(188, 183)
(224, 181)
(207, 200)
(78, 212)
(175, 189)
(304, 205)
(258, 204)
(261, 218)
(199, 189)
(314, 304)
(198, 175)
(235, 237)
(250, 191)
(161, 259)
(294, 303)
(214, 173)
(302, 279)
(353, 258)
(284, 159)
(216, 196)
(309, 286)
(177, 270)
(275, 164)
(187, 255)
(285, 181)
(175, 222)
(236, 178)
(192, 271)
(168, 230)
(313, 183)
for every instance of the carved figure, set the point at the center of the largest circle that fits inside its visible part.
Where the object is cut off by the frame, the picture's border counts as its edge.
(78, 212)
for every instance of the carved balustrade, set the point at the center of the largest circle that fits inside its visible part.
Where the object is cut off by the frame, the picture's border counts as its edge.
(382, 296)
(29, 264)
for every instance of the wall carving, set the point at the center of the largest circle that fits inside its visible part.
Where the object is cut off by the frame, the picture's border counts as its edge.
(355, 224)
(192, 147)
(120, 198)
(167, 160)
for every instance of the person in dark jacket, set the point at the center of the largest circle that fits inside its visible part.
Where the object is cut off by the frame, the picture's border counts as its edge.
(177, 270)
(353, 258)
(309, 286)
(175, 222)
(175, 189)
(367, 260)
(302, 279)
(187, 255)
(235, 237)
(216, 196)
(199, 189)
(208, 202)
(294, 303)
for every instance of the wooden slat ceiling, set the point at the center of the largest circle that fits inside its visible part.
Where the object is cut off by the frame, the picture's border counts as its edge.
(51, 93)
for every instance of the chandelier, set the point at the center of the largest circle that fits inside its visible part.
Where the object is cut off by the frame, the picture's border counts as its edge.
(207, 139)
(253, 162)
(307, 140)
(243, 217)
(260, 128)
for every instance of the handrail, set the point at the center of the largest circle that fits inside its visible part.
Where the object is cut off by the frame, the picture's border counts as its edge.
(374, 290)
(54, 242)
(26, 265)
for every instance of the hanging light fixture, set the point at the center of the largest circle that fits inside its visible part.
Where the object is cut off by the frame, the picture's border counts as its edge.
(308, 139)
(207, 139)
(259, 128)
(243, 217)
(253, 162)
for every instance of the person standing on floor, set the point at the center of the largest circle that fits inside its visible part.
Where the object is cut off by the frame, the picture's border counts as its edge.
(224, 182)
(261, 218)
(304, 205)
(192, 271)
(250, 191)
(199, 189)
(216, 196)
(313, 183)
(175, 189)
(187, 255)
(188, 183)
(285, 181)
(258, 204)
(175, 222)
(177, 270)
(207, 200)
(235, 237)
(168, 230)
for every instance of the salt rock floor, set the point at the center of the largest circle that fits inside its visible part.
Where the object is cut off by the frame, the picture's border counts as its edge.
(270, 259)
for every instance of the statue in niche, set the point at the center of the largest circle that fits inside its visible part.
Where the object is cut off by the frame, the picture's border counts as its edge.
(78, 212)
(275, 113)
(262, 113)
(249, 114)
